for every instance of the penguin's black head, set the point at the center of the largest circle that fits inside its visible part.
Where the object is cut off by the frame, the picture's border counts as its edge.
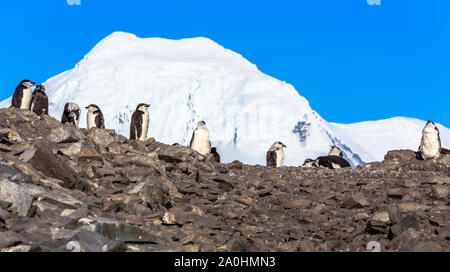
(213, 150)
(40, 88)
(277, 146)
(281, 144)
(430, 122)
(71, 107)
(201, 124)
(27, 83)
(142, 106)
(93, 107)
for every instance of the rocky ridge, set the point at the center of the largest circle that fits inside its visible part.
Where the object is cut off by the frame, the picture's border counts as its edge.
(62, 188)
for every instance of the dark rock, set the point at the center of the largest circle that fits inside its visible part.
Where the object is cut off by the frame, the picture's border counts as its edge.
(355, 201)
(22, 248)
(100, 137)
(71, 150)
(10, 173)
(77, 214)
(4, 215)
(407, 222)
(235, 165)
(51, 165)
(9, 239)
(174, 216)
(396, 193)
(5, 148)
(89, 151)
(16, 194)
(65, 134)
(5, 204)
(94, 242)
(440, 191)
(148, 160)
(379, 223)
(115, 230)
(28, 154)
(424, 246)
(400, 155)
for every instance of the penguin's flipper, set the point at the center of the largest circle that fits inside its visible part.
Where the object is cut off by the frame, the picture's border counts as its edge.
(139, 128)
(192, 140)
(17, 98)
(99, 120)
(271, 158)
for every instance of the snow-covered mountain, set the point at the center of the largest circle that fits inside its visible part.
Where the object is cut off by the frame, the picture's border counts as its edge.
(189, 80)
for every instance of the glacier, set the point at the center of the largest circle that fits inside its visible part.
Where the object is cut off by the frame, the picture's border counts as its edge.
(195, 79)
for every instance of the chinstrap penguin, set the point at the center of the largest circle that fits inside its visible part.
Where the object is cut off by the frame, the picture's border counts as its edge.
(275, 155)
(95, 117)
(22, 95)
(71, 114)
(39, 101)
(140, 122)
(200, 139)
(430, 146)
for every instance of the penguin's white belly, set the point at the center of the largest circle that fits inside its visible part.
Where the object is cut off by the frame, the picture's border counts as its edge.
(91, 121)
(201, 142)
(280, 157)
(26, 99)
(145, 121)
(335, 165)
(430, 146)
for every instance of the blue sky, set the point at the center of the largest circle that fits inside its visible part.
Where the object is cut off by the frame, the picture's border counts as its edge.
(352, 61)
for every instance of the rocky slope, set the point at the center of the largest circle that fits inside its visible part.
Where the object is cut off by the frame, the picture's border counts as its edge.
(61, 187)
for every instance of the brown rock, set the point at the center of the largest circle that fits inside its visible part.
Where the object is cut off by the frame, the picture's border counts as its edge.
(56, 167)
(440, 191)
(89, 151)
(355, 201)
(174, 216)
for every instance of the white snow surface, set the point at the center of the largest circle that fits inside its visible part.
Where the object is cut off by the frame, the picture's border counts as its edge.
(246, 111)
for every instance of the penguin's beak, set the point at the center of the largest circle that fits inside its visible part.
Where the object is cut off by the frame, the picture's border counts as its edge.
(86, 107)
(284, 145)
(32, 83)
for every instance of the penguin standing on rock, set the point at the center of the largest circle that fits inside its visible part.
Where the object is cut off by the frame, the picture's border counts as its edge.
(71, 114)
(95, 117)
(139, 123)
(430, 146)
(22, 95)
(39, 101)
(200, 139)
(275, 155)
